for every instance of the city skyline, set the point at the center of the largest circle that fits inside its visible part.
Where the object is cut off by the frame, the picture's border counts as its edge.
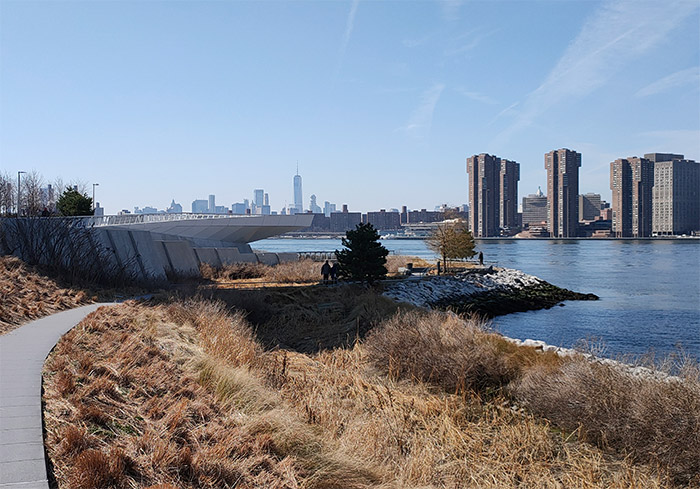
(197, 101)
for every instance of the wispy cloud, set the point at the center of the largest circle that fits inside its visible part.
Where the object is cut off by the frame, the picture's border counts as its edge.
(616, 34)
(349, 25)
(418, 125)
(505, 111)
(677, 79)
(468, 41)
(476, 96)
(450, 9)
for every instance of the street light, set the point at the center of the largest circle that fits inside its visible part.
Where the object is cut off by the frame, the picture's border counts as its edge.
(18, 189)
(93, 196)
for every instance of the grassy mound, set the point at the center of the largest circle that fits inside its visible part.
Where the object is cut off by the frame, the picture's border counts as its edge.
(27, 294)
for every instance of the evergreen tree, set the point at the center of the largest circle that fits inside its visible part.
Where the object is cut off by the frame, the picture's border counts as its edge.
(73, 203)
(364, 256)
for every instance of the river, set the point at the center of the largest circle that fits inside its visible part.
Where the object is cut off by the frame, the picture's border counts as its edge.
(649, 289)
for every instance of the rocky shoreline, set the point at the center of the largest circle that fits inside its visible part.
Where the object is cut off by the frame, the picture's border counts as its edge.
(488, 292)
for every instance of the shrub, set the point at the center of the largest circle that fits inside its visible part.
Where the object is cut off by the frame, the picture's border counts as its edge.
(439, 348)
(655, 420)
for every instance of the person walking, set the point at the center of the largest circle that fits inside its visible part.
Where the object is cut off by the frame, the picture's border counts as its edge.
(325, 271)
(334, 273)
(481, 259)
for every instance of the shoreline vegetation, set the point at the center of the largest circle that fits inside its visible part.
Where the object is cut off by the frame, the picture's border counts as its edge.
(183, 393)
(345, 387)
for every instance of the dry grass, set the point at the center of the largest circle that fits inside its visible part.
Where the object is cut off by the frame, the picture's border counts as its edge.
(27, 295)
(182, 395)
(304, 271)
(166, 395)
(656, 421)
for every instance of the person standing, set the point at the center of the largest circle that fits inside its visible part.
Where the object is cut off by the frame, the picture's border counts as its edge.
(481, 258)
(334, 273)
(325, 271)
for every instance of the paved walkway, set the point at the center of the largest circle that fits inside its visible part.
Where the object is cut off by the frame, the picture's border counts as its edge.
(22, 355)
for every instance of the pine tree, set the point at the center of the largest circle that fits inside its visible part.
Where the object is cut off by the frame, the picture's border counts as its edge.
(73, 203)
(364, 257)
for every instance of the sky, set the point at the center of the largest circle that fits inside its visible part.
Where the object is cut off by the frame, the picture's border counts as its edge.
(380, 103)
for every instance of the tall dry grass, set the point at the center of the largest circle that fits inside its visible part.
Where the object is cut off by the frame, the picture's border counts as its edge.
(655, 420)
(27, 294)
(183, 395)
(302, 271)
(140, 396)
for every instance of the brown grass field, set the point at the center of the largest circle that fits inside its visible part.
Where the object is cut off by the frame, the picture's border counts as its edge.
(26, 294)
(298, 272)
(186, 394)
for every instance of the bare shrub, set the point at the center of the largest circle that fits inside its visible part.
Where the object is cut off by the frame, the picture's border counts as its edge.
(655, 420)
(233, 271)
(438, 348)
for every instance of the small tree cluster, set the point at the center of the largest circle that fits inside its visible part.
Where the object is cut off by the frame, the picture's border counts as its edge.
(452, 240)
(364, 257)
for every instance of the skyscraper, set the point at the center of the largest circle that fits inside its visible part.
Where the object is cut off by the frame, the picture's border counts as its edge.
(493, 194)
(212, 204)
(631, 182)
(675, 194)
(562, 192)
(313, 206)
(298, 198)
(259, 197)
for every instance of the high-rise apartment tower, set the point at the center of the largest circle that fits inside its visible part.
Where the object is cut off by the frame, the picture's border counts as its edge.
(631, 182)
(562, 192)
(675, 195)
(493, 194)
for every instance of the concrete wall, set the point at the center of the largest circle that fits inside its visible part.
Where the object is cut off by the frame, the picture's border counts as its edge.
(181, 258)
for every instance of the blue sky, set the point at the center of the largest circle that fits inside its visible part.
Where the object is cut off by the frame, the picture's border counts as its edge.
(380, 102)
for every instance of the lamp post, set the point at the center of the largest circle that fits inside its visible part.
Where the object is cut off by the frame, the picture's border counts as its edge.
(18, 189)
(93, 196)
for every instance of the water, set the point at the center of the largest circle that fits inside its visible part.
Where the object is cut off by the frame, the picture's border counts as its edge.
(649, 290)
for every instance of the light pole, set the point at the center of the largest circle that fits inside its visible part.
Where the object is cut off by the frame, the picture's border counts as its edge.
(18, 189)
(93, 196)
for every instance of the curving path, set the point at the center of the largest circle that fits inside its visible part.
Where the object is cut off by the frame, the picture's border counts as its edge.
(22, 355)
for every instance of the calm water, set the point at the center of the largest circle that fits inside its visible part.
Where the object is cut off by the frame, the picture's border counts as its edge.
(649, 290)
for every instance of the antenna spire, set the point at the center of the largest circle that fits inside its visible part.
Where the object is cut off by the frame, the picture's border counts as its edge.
(297, 167)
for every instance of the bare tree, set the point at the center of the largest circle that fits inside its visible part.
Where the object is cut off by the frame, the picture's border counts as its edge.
(7, 194)
(453, 240)
(31, 195)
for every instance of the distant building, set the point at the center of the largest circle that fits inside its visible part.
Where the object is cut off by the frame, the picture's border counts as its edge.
(200, 206)
(313, 206)
(212, 204)
(589, 206)
(676, 194)
(328, 208)
(259, 197)
(631, 182)
(298, 197)
(562, 192)
(534, 209)
(239, 208)
(383, 220)
(99, 211)
(174, 208)
(493, 194)
(423, 215)
(146, 210)
(345, 220)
